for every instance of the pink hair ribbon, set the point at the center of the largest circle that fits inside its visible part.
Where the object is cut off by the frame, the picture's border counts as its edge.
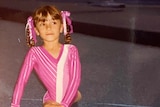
(32, 33)
(66, 21)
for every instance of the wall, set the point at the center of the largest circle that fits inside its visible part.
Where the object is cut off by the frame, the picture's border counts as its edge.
(123, 1)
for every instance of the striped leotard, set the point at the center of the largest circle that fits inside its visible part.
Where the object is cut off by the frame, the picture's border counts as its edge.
(61, 76)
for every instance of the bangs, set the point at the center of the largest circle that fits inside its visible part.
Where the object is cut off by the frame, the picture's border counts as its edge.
(42, 13)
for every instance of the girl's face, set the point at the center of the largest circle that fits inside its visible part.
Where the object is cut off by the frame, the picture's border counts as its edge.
(49, 29)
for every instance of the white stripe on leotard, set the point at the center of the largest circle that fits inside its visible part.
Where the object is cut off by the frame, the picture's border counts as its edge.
(60, 70)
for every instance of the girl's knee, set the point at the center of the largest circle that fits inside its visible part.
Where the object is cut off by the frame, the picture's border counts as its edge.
(78, 97)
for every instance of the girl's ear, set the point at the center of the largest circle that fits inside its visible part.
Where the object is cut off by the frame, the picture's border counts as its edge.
(37, 32)
(61, 28)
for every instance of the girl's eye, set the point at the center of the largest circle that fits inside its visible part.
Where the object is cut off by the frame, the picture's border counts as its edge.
(42, 24)
(54, 22)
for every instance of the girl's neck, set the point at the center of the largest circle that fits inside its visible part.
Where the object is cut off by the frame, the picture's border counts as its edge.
(51, 45)
(53, 49)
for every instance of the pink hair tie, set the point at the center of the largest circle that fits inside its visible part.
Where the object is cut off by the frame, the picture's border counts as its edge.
(66, 21)
(30, 26)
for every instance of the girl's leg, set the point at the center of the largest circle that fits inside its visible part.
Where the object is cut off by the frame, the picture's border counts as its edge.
(51, 104)
(78, 97)
(55, 104)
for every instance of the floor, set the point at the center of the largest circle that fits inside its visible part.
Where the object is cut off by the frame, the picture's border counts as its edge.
(115, 73)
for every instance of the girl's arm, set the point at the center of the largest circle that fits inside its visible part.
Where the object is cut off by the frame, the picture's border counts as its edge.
(22, 79)
(75, 76)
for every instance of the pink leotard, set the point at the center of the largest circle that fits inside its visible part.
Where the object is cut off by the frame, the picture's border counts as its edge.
(61, 76)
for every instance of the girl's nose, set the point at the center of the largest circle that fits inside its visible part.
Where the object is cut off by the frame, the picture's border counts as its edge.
(48, 25)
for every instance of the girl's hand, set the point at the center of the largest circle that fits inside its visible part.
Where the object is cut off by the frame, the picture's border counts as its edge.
(52, 104)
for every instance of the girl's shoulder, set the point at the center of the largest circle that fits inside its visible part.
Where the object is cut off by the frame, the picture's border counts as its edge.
(71, 47)
(34, 49)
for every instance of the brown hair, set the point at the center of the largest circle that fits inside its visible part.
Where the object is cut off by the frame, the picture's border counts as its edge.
(41, 14)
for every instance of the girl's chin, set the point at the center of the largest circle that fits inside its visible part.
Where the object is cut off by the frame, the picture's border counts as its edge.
(49, 40)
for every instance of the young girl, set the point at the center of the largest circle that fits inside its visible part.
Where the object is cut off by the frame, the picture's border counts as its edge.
(57, 65)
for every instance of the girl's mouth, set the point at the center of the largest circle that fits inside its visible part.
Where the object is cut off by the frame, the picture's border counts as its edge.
(49, 34)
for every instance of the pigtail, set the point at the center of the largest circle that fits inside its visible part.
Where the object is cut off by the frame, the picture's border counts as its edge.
(30, 42)
(67, 37)
(67, 25)
(30, 33)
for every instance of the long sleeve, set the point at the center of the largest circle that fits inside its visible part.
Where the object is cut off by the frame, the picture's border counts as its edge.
(75, 77)
(22, 79)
